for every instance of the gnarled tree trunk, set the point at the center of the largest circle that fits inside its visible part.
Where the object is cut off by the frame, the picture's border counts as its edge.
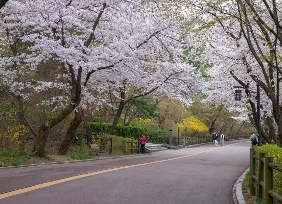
(41, 139)
(44, 130)
(64, 147)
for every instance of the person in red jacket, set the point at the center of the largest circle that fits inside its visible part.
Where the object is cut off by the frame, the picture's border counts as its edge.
(142, 142)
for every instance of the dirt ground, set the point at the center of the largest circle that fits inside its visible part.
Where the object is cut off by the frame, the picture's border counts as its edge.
(50, 159)
(249, 199)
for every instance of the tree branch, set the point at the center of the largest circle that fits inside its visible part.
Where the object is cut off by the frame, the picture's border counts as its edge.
(99, 68)
(2, 3)
(91, 36)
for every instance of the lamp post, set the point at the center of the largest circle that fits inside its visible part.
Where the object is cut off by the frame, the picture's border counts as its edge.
(170, 138)
(238, 95)
(258, 114)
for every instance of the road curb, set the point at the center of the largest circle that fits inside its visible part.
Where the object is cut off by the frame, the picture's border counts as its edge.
(238, 197)
(72, 161)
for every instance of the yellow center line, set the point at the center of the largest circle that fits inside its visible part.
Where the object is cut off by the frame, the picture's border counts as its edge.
(51, 183)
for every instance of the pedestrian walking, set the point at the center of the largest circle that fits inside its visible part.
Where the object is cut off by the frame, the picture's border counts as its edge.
(222, 138)
(142, 142)
(215, 139)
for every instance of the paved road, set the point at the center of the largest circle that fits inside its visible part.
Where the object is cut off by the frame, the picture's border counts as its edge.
(199, 175)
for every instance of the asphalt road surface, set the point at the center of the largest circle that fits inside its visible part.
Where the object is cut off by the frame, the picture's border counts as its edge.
(199, 175)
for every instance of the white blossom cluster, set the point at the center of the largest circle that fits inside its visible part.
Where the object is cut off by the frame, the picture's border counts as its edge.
(98, 45)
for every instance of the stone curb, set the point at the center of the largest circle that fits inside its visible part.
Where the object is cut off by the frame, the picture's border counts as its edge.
(238, 197)
(71, 161)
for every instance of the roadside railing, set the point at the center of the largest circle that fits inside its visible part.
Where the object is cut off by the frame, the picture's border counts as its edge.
(186, 140)
(262, 182)
(236, 137)
(132, 147)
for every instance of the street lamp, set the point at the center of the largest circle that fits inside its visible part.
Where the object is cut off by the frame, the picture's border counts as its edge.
(238, 95)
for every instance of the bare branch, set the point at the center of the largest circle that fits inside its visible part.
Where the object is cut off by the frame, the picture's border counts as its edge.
(92, 36)
(2, 3)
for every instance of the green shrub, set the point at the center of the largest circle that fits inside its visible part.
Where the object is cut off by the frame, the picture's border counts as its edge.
(274, 151)
(134, 132)
(157, 136)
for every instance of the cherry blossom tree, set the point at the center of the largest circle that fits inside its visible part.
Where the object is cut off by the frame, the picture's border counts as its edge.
(263, 23)
(242, 43)
(88, 46)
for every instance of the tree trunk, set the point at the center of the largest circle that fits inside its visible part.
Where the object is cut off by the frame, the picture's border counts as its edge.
(87, 128)
(122, 104)
(64, 147)
(22, 124)
(130, 118)
(279, 136)
(240, 128)
(44, 130)
(271, 131)
(41, 140)
(212, 128)
(118, 114)
(116, 118)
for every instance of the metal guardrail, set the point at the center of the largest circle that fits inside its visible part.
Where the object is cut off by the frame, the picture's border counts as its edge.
(262, 183)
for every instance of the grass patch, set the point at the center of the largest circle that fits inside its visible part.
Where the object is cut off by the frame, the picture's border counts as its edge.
(9, 158)
(249, 199)
(245, 184)
(76, 152)
(79, 156)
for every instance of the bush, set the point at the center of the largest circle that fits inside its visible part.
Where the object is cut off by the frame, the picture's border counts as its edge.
(274, 151)
(134, 132)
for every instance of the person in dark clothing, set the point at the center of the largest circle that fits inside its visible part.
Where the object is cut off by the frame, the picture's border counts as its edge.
(254, 140)
(215, 139)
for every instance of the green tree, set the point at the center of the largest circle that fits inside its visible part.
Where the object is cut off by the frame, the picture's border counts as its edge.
(169, 112)
(140, 108)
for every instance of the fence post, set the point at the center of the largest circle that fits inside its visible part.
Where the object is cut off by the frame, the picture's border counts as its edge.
(131, 147)
(252, 169)
(178, 136)
(268, 180)
(111, 146)
(259, 188)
